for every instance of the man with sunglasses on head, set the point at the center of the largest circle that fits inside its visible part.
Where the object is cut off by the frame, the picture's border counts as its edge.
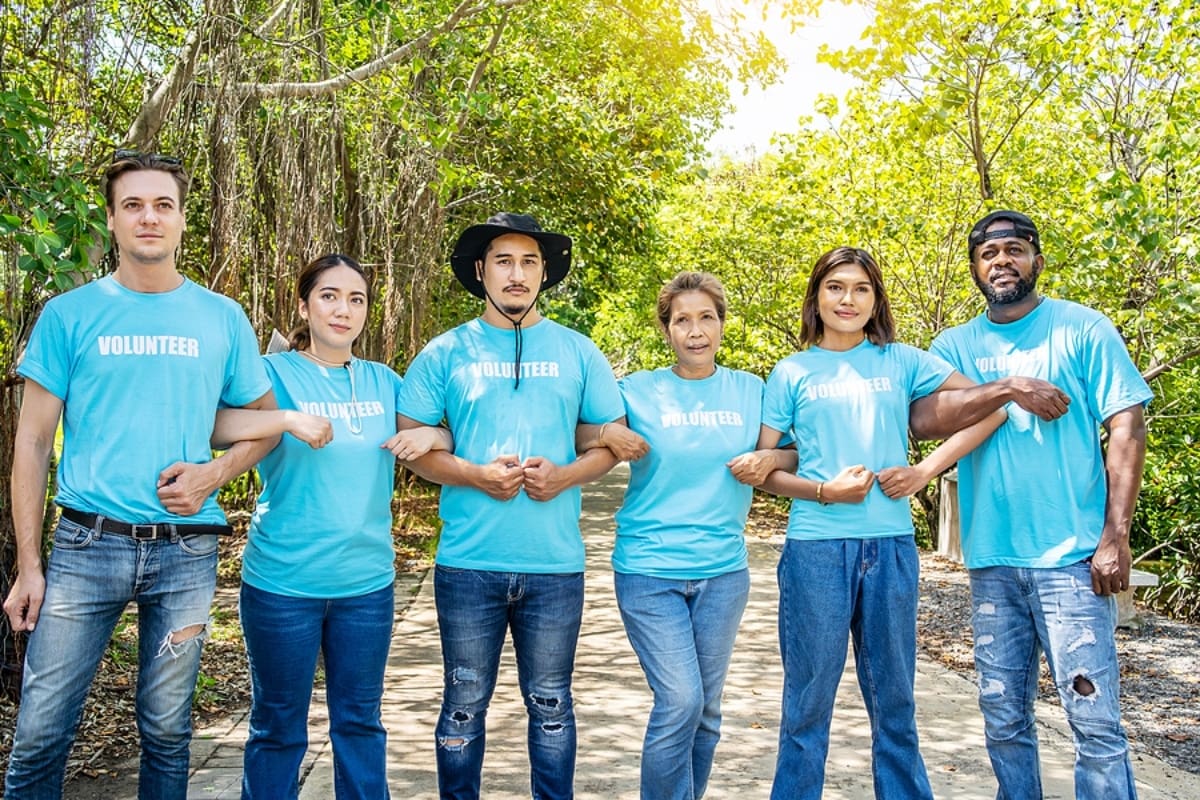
(1045, 509)
(135, 365)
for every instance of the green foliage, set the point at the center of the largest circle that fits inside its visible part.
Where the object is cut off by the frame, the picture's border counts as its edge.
(47, 209)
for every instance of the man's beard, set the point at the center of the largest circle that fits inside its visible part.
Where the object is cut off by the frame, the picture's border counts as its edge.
(512, 308)
(1006, 297)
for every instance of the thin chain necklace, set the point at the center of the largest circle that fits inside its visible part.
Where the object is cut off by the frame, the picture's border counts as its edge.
(353, 420)
(320, 360)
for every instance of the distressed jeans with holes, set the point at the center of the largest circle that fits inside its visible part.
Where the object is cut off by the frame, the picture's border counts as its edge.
(1017, 614)
(89, 581)
(475, 611)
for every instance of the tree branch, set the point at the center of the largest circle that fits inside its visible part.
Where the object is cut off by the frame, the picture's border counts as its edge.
(271, 21)
(152, 113)
(481, 67)
(162, 102)
(1167, 366)
(466, 10)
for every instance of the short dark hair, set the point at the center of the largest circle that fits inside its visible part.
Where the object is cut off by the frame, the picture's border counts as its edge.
(301, 337)
(880, 328)
(689, 282)
(133, 161)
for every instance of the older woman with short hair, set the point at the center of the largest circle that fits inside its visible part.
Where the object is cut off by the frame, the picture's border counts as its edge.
(680, 559)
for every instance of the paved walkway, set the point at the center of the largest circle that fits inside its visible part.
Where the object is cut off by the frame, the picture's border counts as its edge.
(612, 702)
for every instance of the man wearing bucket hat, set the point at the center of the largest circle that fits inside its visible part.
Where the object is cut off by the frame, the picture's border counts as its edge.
(1045, 510)
(512, 386)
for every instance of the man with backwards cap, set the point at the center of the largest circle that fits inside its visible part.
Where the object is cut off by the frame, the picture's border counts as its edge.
(1045, 511)
(512, 386)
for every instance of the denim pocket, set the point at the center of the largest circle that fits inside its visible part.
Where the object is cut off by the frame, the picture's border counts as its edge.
(204, 544)
(73, 536)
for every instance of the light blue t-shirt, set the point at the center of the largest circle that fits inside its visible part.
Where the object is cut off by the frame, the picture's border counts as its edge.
(323, 525)
(847, 408)
(1034, 493)
(466, 377)
(141, 376)
(684, 513)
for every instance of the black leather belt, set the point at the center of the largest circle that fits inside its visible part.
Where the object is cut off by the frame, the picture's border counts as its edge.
(156, 530)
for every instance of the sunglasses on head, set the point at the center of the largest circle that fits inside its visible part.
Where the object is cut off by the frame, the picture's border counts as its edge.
(153, 158)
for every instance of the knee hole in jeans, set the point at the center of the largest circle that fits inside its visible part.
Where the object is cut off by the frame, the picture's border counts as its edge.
(552, 709)
(177, 641)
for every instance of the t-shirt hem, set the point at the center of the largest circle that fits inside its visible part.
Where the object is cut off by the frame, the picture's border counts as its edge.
(824, 536)
(1025, 563)
(264, 585)
(541, 569)
(681, 575)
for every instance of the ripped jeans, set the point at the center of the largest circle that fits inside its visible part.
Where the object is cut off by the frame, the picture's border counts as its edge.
(90, 579)
(1017, 614)
(475, 610)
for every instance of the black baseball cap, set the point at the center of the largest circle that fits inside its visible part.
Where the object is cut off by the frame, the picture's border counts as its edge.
(1022, 228)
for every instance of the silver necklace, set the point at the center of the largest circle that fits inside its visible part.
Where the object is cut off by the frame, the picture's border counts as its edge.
(353, 421)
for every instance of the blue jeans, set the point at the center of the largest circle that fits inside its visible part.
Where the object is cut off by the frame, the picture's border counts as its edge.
(90, 579)
(283, 636)
(1019, 613)
(683, 633)
(475, 610)
(867, 589)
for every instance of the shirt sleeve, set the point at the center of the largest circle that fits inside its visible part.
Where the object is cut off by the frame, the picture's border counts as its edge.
(397, 383)
(601, 398)
(779, 404)
(47, 360)
(930, 372)
(245, 377)
(944, 349)
(1114, 382)
(422, 396)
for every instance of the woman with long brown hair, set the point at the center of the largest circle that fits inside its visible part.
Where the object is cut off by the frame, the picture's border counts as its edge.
(317, 572)
(849, 566)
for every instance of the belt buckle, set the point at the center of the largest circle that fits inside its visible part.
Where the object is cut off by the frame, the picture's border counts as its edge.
(143, 533)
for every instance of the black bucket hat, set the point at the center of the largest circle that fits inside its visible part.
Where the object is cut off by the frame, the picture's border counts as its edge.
(556, 249)
(1022, 228)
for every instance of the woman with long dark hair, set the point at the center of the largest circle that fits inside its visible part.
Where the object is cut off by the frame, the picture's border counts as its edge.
(849, 566)
(317, 572)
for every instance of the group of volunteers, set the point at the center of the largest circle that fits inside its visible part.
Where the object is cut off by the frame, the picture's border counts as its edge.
(511, 413)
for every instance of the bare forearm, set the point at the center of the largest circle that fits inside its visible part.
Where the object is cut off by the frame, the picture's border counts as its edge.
(787, 484)
(245, 452)
(1125, 460)
(950, 451)
(589, 466)
(443, 439)
(239, 424)
(588, 436)
(443, 467)
(786, 459)
(942, 414)
(31, 465)
(240, 457)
